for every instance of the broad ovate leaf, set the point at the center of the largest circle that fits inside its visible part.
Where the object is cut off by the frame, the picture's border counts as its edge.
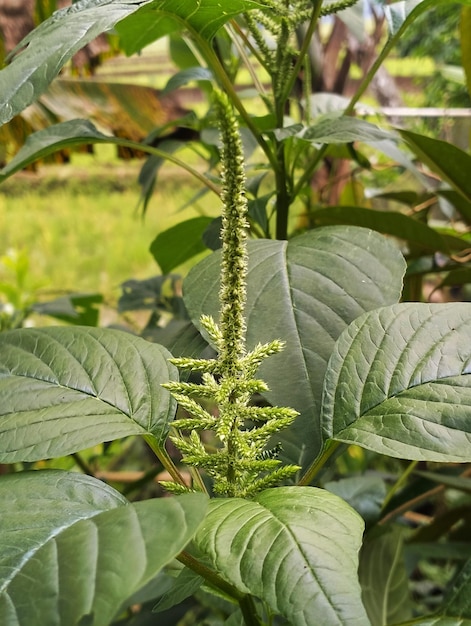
(65, 389)
(305, 291)
(399, 383)
(294, 547)
(72, 549)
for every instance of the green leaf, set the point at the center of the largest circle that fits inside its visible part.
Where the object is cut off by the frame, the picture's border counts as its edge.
(191, 74)
(437, 621)
(465, 44)
(66, 389)
(383, 578)
(51, 45)
(363, 493)
(460, 483)
(76, 308)
(180, 243)
(398, 383)
(390, 223)
(451, 163)
(457, 600)
(337, 129)
(305, 292)
(75, 549)
(401, 14)
(296, 548)
(185, 585)
(162, 17)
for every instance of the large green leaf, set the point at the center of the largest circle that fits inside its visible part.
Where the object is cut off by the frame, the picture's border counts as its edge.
(383, 578)
(450, 162)
(72, 549)
(401, 14)
(65, 389)
(162, 17)
(305, 292)
(336, 129)
(399, 383)
(294, 547)
(439, 620)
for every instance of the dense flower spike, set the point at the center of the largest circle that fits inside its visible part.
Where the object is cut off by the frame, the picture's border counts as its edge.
(241, 466)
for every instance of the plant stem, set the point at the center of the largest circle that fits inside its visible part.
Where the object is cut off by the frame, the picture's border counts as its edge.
(283, 199)
(329, 449)
(246, 602)
(399, 483)
(163, 456)
(84, 466)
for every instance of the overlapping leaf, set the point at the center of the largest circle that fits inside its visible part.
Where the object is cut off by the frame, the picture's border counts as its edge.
(294, 547)
(65, 389)
(399, 383)
(305, 292)
(72, 549)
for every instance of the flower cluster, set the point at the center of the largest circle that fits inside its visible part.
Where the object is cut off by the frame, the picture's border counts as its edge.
(242, 465)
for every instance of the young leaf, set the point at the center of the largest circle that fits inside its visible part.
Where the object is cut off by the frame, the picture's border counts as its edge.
(296, 548)
(65, 389)
(305, 292)
(383, 578)
(88, 549)
(398, 383)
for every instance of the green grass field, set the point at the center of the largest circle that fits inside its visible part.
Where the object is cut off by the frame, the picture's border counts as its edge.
(80, 226)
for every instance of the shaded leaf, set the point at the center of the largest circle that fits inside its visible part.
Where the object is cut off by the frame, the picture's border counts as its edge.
(185, 585)
(460, 483)
(180, 243)
(191, 74)
(398, 383)
(305, 292)
(77, 308)
(391, 223)
(365, 494)
(383, 578)
(294, 547)
(87, 550)
(447, 160)
(66, 389)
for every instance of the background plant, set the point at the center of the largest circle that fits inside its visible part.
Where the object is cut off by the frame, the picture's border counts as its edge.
(360, 368)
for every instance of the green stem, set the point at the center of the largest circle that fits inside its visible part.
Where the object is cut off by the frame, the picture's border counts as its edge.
(84, 466)
(312, 471)
(163, 456)
(283, 197)
(228, 87)
(246, 602)
(399, 483)
(288, 87)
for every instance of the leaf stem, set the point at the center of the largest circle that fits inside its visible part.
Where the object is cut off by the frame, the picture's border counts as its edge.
(399, 483)
(329, 448)
(163, 456)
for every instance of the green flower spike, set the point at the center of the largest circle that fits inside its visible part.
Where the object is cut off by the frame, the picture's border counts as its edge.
(241, 466)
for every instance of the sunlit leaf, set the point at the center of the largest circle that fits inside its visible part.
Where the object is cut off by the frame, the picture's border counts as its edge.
(399, 383)
(66, 389)
(294, 547)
